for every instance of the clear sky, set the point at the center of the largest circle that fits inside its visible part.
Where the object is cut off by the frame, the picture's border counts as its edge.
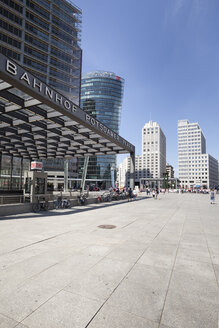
(168, 53)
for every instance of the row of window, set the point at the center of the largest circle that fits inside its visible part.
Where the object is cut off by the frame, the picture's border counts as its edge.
(63, 16)
(34, 30)
(36, 42)
(64, 47)
(9, 53)
(13, 5)
(64, 26)
(37, 20)
(35, 53)
(35, 65)
(61, 76)
(9, 15)
(9, 40)
(10, 28)
(65, 7)
(63, 56)
(37, 9)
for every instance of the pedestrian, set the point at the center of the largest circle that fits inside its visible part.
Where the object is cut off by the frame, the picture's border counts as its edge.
(212, 195)
(134, 194)
(156, 193)
(153, 193)
(130, 194)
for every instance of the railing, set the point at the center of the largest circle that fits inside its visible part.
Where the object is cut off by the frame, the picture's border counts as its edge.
(16, 199)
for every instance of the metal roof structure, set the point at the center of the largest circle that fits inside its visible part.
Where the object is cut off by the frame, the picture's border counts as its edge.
(37, 121)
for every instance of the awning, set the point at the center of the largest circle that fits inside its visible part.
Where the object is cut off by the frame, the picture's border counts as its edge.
(37, 122)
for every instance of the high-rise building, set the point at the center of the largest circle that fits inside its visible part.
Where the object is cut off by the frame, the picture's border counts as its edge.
(44, 37)
(101, 96)
(196, 168)
(169, 170)
(153, 151)
(151, 165)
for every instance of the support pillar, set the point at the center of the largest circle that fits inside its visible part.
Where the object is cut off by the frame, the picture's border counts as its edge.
(0, 164)
(21, 172)
(84, 174)
(11, 173)
(132, 170)
(65, 175)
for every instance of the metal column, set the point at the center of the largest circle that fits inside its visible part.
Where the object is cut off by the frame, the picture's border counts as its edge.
(65, 175)
(21, 172)
(84, 174)
(132, 170)
(0, 163)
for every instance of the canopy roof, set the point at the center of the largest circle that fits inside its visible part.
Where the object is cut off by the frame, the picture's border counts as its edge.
(36, 121)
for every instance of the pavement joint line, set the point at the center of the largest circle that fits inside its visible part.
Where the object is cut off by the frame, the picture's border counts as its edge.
(40, 305)
(6, 316)
(129, 271)
(63, 289)
(37, 242)
(129, 224)
(206, 240)
(171, 273)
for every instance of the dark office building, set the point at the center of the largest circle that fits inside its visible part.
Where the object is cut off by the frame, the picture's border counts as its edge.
(44, 36)
(101, 96)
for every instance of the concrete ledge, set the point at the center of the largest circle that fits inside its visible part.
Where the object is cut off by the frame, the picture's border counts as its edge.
(15, 209)
(12, 209)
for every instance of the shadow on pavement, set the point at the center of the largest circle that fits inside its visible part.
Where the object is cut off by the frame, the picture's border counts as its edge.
(73, 210)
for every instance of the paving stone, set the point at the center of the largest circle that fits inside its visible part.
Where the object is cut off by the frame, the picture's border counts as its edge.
(66, 249)
(6, 322)
(112, 317)
(188, 311)
(24, 299)
(137, 299)
(64, 310)
(196, 285)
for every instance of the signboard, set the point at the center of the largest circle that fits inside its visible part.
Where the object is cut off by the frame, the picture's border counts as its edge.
(36, 165)
(25, 81)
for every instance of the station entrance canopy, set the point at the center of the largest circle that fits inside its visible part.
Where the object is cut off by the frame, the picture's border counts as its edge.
(37, 122)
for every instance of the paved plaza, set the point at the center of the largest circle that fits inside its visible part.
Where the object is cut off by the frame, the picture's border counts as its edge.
(158, 268)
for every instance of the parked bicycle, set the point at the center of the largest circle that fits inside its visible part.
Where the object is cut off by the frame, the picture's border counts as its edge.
(40, 205)
(62, 203)
(82, 199)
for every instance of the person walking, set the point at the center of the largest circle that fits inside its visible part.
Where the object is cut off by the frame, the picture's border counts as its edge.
(212, 196)
(130, 194)
(153, 193)
(134, 194)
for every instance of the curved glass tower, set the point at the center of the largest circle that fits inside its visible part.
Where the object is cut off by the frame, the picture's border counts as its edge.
(101, 96)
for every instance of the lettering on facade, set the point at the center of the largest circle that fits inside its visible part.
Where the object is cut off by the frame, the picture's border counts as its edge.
(92, 121)
(60, 100)
(41, 87)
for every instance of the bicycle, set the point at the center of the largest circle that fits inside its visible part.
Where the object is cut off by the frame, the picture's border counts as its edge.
(107, 197)
(100, 199)
(62, 203)
(40, 205)
(82, 199)
(66, 203)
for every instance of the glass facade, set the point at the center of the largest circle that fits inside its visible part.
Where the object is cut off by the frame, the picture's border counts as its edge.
(44, 36)
(12, 172)
(101, 96)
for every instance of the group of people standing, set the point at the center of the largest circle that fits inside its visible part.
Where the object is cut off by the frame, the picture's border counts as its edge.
(132, 194)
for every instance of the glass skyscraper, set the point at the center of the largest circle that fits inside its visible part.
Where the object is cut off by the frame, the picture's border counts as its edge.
(101, 96)
(44, 36)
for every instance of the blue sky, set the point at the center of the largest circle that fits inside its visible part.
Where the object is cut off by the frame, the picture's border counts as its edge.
(168, 53)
